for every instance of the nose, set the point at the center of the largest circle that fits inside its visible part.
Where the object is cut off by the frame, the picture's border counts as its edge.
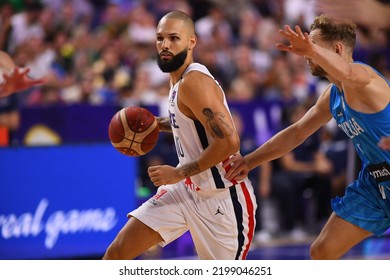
(165, 44)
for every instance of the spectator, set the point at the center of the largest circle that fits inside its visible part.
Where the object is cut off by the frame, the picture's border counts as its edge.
(304, 168)
(215, 20)
(6, 12)
(25, 25)
(45, 96)
(368, 13)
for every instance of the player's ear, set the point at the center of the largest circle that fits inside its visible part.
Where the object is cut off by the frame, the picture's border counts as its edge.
(192, 43)
(337, 48)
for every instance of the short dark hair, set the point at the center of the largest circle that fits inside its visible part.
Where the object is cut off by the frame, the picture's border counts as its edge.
(182, 16)
(335, 30)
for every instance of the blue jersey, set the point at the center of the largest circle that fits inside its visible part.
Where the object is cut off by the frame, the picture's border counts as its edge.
(366, 202)
(365, 131)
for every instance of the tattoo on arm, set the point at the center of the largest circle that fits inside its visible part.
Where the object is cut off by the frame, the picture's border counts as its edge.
(216, 124)
(191, 169)
(164, 124)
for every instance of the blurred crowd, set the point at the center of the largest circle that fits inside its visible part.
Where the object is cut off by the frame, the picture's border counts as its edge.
(101, 52)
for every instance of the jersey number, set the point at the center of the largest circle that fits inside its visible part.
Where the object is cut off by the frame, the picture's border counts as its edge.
(179, 148)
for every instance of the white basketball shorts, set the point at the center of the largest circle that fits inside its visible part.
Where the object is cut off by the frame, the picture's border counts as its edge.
(221, 222)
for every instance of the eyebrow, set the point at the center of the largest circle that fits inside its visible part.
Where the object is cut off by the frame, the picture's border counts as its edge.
(170, 34)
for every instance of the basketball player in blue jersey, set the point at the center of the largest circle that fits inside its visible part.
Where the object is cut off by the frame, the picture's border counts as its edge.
(193, 196)
(358, 99)
(17, 79)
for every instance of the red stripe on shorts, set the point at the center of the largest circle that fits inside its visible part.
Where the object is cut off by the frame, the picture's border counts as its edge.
(227, 168)
(251, 218)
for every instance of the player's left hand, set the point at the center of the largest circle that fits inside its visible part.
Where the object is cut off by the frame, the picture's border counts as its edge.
(163, 174)
(236, 167)
(18, 80)
(300, 43)
(384, 143)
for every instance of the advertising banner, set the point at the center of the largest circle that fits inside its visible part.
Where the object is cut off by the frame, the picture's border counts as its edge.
(63, 202)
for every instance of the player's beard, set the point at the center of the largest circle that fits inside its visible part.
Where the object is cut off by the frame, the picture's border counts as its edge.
(318, 71)
(175, 63)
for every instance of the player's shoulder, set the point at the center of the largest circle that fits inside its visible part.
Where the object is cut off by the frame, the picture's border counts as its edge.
(376, 77)
(196, 74)
(197, 84)
(196, 66)
(197, 69)
(195, 77)
(370, 69)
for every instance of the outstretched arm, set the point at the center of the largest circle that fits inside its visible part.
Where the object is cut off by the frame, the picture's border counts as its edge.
(283, 142)
(16, 79)
(333, 60)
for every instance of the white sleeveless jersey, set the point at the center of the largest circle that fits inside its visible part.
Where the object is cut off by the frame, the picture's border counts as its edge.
(191, 139)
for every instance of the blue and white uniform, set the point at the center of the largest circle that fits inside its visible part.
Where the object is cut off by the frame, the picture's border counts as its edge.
(219, 214)
(367, 200)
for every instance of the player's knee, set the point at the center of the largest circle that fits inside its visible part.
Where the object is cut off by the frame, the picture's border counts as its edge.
(319, 251)
(113, 252)
(315, 251)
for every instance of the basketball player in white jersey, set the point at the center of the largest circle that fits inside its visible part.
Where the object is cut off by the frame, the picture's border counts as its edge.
(13, 79)
(194, 195)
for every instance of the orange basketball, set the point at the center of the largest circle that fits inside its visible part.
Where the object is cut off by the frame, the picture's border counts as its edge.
(133, 131)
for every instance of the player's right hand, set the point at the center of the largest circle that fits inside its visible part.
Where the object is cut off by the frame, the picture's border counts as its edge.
(18, 80)
(237, 168)
(164, 124)
(300, 42)
(163, 175)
